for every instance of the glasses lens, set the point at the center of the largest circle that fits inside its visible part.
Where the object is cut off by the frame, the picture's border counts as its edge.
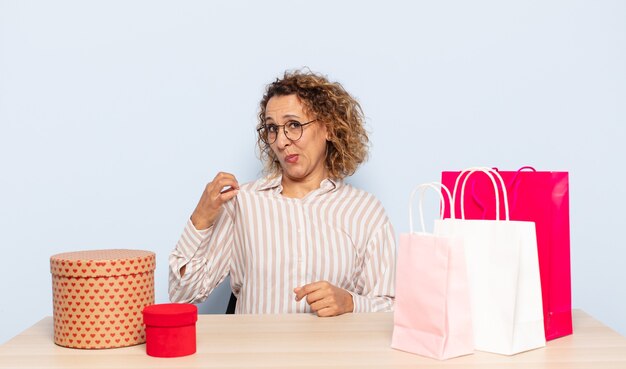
(268, 133)
(293, 130)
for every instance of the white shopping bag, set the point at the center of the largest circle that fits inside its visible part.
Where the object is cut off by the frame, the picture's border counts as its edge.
(503, 272)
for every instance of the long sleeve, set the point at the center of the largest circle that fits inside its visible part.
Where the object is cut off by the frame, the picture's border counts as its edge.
(206, 255)
(375, 286)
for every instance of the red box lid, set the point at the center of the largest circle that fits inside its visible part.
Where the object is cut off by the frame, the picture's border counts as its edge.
(170, 315)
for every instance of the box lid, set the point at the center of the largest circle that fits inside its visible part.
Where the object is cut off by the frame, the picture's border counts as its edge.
(170, 315)
(102, 263)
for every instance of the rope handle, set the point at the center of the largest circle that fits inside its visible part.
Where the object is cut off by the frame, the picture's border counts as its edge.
(512, 187)
(437, 186)
(493, 175)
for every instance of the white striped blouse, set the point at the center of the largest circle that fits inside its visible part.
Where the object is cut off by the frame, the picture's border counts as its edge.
(271, 244)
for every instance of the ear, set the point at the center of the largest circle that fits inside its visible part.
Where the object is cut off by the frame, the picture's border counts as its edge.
(327, 133)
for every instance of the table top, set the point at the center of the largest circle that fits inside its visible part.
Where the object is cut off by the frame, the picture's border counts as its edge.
(304, 340)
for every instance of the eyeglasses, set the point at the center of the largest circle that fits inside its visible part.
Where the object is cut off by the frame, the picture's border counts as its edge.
(293, 131)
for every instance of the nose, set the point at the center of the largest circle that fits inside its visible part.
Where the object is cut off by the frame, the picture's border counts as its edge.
(281, 140)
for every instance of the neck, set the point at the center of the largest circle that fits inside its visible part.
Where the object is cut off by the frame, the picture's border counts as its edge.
(300, 187)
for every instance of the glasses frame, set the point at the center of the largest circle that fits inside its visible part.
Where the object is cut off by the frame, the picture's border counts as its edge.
(264, 126)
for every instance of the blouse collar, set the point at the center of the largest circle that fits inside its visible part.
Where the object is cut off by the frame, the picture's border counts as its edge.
(275, 183)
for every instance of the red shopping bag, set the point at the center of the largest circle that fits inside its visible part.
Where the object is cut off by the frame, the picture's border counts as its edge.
(541, 197)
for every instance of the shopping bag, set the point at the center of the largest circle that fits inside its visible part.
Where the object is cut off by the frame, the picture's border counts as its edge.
(432, 306)
(503, 273)
(541, 197)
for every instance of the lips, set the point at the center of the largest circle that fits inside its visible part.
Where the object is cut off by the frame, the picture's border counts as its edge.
(291, 159)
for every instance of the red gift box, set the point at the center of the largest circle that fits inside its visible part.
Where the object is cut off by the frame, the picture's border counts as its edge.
(170, 329)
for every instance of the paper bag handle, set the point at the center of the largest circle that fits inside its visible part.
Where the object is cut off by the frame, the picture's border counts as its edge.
(435, 186)
(511, 187)
(490, 173)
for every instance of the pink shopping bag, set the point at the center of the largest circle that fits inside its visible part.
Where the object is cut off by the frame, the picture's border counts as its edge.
(541, 197)
(432, 315)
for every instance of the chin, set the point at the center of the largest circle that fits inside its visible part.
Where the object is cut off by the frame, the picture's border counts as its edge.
(295, 174)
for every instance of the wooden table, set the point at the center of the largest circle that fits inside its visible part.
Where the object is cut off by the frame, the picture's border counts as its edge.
(302, 340)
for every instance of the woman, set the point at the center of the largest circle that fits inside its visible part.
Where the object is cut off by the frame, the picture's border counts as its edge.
(299, 239)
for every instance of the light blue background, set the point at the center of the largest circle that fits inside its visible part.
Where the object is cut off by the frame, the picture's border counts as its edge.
(114, 115)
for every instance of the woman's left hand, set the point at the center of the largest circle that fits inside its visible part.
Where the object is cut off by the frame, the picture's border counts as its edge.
(325, 299)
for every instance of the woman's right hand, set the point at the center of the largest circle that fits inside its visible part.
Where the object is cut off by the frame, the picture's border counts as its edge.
(213, 197)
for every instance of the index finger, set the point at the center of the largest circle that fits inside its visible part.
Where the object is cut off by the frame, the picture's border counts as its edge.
(222, 183)
(306, 289)
(226, 177)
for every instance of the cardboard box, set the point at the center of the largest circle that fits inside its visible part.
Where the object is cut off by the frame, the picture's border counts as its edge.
(99, 295)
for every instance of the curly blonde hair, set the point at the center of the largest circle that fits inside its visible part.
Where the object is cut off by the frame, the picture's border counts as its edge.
(347, 144)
